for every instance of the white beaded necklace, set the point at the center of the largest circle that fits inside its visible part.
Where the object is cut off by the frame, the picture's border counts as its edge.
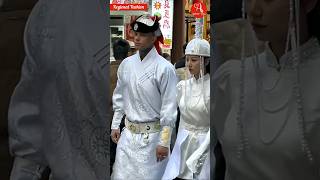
(293, 33)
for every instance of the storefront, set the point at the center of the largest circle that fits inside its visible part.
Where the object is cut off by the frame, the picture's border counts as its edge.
(122, 14)
(190, 20)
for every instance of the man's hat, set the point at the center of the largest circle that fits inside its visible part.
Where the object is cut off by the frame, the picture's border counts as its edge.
(146, 23)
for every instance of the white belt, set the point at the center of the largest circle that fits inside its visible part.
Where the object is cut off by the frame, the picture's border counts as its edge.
(193, 128)
(144, 127)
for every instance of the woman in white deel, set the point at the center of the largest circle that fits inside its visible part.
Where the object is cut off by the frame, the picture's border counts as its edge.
(193, 96)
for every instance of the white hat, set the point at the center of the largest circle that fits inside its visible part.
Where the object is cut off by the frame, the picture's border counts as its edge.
(198, 47)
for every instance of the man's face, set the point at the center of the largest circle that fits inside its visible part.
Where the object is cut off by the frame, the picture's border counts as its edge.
(269, 18)
(143, 40)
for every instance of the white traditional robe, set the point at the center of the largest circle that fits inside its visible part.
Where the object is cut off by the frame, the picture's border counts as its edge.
(193, 128)
(270, 120)
(145, 91)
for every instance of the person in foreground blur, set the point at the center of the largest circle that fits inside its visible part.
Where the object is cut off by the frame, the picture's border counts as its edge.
(58, 111)
(266, 107)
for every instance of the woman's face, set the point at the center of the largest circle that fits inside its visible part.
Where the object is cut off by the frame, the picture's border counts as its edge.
(269, 18)
(193, 64)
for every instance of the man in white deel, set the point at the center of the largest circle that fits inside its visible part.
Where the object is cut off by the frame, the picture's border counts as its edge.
(145, 94)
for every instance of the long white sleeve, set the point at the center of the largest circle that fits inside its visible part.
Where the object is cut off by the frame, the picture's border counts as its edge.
(168, 113)
(117, 100)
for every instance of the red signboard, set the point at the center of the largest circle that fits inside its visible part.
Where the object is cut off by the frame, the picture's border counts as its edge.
(199, 10)
(128, 7)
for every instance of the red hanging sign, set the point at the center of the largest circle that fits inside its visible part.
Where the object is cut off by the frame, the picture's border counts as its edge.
(199, 10)
(128, 7)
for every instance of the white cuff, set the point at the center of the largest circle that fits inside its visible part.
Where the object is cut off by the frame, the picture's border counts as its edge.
(117, 117)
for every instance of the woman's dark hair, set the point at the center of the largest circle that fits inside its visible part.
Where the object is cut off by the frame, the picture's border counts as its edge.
(313, 21)
(121, 48)
(208, 66)
(184, 47)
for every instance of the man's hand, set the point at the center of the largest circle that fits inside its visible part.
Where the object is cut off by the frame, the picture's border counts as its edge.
(161, 153)
(115, 135)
